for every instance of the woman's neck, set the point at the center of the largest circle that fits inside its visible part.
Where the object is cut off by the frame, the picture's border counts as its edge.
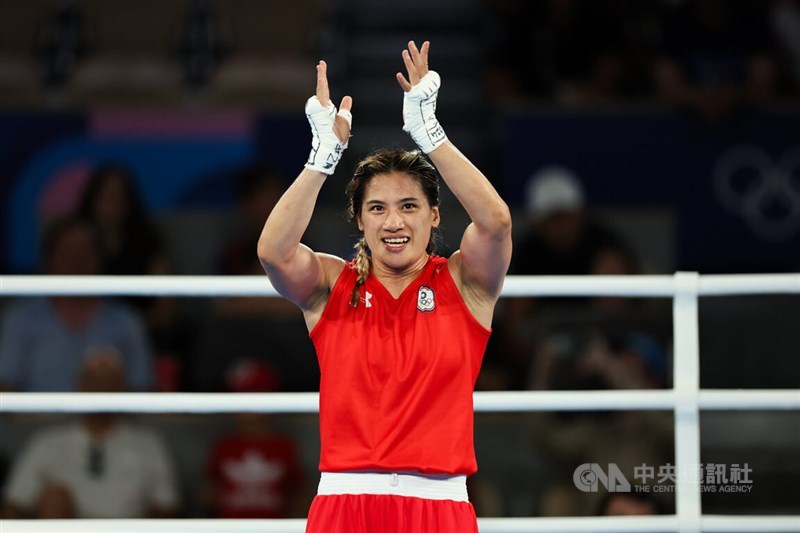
(395, 281)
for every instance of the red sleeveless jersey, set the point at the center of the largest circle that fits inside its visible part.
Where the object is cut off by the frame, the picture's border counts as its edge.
(398, 375)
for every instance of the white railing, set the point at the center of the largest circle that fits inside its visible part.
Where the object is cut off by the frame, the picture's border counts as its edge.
(686, 398)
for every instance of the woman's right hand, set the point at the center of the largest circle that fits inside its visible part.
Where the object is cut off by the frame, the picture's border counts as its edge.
(419, 98)
(330, 129)
(342, 126)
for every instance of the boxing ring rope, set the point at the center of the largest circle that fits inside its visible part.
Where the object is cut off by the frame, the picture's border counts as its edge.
(686, 398)
(587, 524)
(663, 286)
(308, 402)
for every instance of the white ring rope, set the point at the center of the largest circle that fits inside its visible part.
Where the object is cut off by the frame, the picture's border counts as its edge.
(308, 402)
(709, 285)
(602, 524)
(685, 399)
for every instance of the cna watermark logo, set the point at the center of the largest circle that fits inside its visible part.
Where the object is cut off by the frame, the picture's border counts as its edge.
(712, 477)
(589, 476)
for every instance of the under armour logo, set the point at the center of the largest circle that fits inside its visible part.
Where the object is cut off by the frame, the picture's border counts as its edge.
(367, 298)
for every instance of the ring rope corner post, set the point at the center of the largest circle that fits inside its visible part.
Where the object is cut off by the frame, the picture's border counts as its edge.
(687, 411)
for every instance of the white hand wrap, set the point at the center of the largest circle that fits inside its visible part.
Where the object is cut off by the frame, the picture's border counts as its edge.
(326, 149)
(419, 113)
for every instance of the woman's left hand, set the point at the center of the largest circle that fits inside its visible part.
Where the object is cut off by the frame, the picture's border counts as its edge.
(416, 61)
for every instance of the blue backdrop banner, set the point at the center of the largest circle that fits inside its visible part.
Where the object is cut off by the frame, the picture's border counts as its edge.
(734, 187)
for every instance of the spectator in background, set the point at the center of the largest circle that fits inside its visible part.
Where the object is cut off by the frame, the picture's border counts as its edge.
(615, 259)
(100, 466)
(649, 360)
(590, 359)
(254, 471)
(45, 340)
(562, 238)
(630, 504)
(717, 57)
(130, 244)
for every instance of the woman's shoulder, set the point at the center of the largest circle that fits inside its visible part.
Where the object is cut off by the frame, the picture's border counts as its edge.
(335, 267)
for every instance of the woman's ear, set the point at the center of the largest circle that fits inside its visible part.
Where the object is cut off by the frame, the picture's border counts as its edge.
(436, 217)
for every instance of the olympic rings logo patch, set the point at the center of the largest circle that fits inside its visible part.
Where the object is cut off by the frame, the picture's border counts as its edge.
(749, 183)
(425, 301)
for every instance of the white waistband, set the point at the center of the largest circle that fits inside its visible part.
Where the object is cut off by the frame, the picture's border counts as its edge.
(431, 487)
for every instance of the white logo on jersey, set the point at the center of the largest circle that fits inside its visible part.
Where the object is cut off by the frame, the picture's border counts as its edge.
(425, 301)
(367, 298)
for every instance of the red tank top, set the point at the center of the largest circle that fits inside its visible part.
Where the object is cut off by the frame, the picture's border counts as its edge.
(398, 375)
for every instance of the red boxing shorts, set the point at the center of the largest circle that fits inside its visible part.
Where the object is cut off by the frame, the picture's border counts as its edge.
(391, 503)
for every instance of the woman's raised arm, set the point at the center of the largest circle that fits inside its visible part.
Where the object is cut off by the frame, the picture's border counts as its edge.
(297, 272)
(485, 252)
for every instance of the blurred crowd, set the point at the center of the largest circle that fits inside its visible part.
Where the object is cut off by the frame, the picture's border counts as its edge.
(714, 57)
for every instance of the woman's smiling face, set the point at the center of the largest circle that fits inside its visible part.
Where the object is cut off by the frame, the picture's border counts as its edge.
(397, 220)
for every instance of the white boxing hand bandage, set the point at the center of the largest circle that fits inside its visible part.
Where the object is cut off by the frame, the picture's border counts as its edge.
(326, 149)
(419, 113)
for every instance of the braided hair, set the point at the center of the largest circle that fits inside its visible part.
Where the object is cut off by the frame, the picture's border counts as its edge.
(386, 161)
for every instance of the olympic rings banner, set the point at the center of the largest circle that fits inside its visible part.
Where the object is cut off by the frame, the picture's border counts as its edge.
(734, 186)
